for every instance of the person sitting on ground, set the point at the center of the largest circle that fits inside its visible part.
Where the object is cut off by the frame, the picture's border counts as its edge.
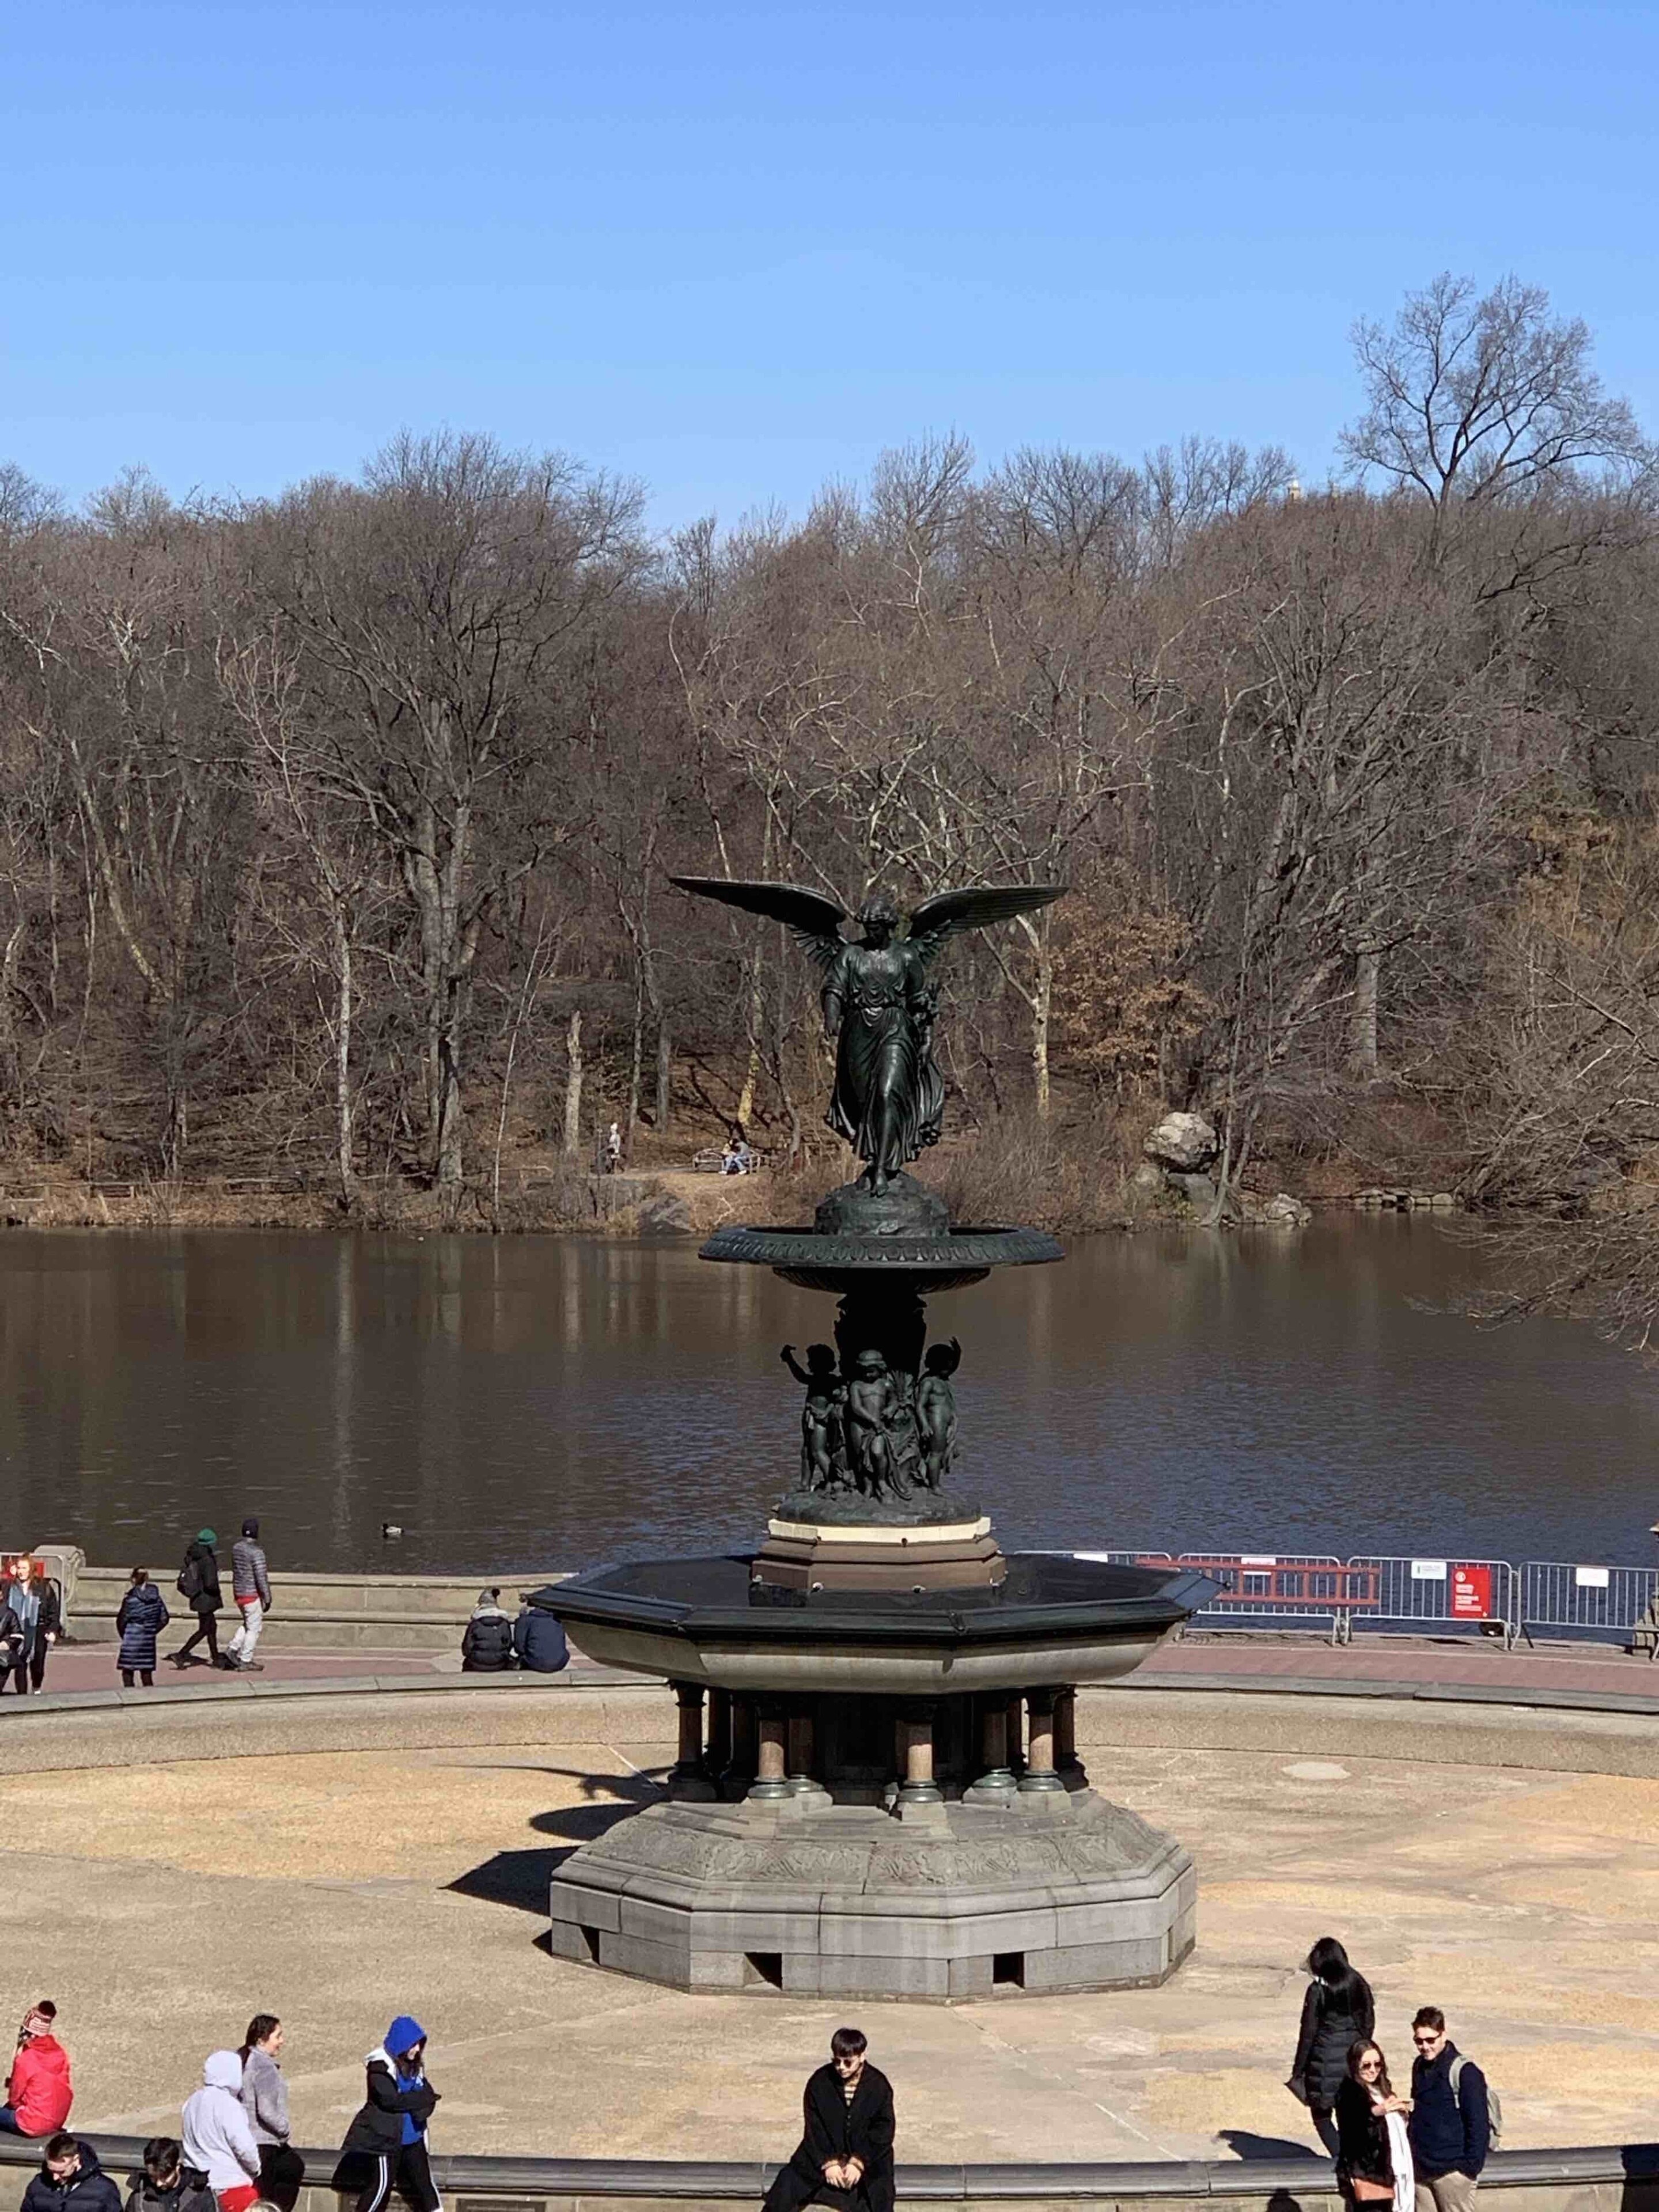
(845, 2156)
(70, 2180)
(487, 1641)
(218, 2142)
(539, 1641)
(35, 1608)
(38, 2091)
(1373, 2150)
(386, 2145)
(198, 1585)
(250, 1587)
(163, 2186)
(1451, 2116)
(143, 1616)
(1338, 2011)
(265, 2100)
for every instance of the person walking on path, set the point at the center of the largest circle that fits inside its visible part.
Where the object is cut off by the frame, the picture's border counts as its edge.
(1373, 2153)
(218, 2142)
(265, 2100)
(250, 1585)
(198, 1585)
(845, 2156)
(39, 2089)
(539, 1641)
(163, 2185)
(1337, 2012)
(487, 1639)
(36, 1611)
(386, 2145)
(70, 2180)
(1451, 2117)
(143, 1616)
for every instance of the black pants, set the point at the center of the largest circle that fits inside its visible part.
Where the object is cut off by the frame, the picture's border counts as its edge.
(207, 1625)
(282, 2172)
(409, 2171)
(147, 1676)
(28, 1674)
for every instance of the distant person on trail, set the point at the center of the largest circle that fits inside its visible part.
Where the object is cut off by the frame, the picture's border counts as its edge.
(487, 1640)
(1374, 2152)
(143, 1616)
(265, 2100)
(1452, 2124)
(163, 2186)
(539, 1641)
(70, 2180)
(198, 1585)
(217, 2139)
(39, 2090)
(845, 2156)
(33, 1621)
(250, 1586)
(386, 2145)
(1337, 2012)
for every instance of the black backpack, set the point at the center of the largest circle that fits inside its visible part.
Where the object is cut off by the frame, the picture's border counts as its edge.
(190, 1577)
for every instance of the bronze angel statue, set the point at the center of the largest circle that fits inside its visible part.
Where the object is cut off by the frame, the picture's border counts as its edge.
(880, 1002)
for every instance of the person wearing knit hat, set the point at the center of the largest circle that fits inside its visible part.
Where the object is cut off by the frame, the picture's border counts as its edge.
(385, 2146)
(198, 1585)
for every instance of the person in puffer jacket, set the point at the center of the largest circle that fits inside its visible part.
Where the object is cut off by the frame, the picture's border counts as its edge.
(143, 1616)
(218, 2141)
(40, 2092)
(386, 2145)
(70, 2180)
(487, 1644)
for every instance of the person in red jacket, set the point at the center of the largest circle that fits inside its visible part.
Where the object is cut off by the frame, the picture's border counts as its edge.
(38, 2093)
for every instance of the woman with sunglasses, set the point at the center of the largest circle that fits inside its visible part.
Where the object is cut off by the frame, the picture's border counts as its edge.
(1374, 2153)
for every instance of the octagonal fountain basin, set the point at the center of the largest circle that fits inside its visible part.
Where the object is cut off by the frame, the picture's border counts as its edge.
(1052, 1619)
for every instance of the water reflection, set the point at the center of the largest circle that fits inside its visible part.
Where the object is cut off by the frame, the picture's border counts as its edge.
(529, 1403)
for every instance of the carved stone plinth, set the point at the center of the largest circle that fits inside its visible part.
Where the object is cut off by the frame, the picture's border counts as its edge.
(847, 1902)
(814, 1555)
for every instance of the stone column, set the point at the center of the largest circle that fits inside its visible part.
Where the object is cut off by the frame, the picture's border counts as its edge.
(740, 1773)
(771, 1779)
(718, 1756)
(995, 1785)
(919, 1787)
(1016, 1733)
(1067, 1765)
(689, 1778)
(800, 1751)
(1039, 1776)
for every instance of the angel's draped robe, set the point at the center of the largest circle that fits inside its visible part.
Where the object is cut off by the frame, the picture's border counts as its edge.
(883, 1052)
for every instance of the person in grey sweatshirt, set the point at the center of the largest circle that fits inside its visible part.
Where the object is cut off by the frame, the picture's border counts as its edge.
(265, 2100)
(251, 1588)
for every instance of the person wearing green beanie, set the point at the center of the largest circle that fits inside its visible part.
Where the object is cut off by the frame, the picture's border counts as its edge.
(198, 1585)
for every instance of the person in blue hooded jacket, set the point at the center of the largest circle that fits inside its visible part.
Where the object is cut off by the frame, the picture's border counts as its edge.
(385, 2146)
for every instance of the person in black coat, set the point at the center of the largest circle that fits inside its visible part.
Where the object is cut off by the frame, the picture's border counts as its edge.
(143, 1616)
(1337, 2012)
(31, 1621)
(487, 1642)
(70, 2180)
(199, 1584)
(1365, 2162)
(385, 2146)
(845, 2156)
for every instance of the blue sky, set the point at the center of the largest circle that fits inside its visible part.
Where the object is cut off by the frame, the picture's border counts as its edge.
(735, 252)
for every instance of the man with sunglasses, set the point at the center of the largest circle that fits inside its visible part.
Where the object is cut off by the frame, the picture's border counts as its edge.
(1450, 2125)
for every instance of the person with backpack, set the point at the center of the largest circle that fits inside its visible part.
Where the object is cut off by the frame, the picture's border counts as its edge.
(1455, 2119)
(143, 1616)
(1337, 2012)
(198, 1585)
(487, 1640)
(386, 2145)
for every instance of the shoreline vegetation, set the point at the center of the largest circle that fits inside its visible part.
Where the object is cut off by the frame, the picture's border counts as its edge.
(337, 828)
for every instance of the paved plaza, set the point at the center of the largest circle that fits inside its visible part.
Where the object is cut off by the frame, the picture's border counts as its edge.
(161, 1905)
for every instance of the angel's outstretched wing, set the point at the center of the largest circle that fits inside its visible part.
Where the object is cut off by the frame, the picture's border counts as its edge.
(948, 913)
(813, 920)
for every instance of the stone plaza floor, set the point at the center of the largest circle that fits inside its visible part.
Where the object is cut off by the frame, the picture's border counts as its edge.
(161, 1905)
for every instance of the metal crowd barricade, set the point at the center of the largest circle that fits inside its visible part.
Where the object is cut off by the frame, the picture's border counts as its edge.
(1603, 1604)
(1262, 1590)
(1423, 1594)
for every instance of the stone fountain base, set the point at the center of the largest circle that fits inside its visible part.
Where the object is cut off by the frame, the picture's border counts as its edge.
(1048, 1891)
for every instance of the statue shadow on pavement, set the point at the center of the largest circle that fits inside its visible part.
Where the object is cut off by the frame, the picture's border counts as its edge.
(1245, 2144)
(520, 1879)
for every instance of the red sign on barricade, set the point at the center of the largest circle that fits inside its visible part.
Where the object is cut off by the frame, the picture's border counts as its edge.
(1471, 1593)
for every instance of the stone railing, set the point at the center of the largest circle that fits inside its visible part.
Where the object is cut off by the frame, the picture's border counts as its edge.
(1609, 2177)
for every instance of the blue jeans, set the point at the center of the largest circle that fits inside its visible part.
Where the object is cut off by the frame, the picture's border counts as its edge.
(9, 2121)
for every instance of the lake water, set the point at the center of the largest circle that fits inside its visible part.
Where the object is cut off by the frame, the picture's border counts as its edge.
(545, 1402)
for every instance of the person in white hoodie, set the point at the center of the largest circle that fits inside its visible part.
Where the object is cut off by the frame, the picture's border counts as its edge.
(218, 2141)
